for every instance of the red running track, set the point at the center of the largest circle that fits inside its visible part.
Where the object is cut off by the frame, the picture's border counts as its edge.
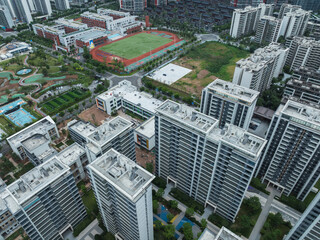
(108, 59)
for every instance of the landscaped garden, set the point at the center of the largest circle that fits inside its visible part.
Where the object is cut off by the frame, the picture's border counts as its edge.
(275, 227)
(245, 220)
(208, 61)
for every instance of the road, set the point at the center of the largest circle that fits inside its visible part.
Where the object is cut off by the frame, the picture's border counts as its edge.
(255, 234)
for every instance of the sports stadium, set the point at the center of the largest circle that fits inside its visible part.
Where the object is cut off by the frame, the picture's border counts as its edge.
(137, 49)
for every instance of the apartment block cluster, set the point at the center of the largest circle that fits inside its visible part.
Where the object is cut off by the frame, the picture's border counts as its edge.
(291, 21)
(13, 12)
(94, 29)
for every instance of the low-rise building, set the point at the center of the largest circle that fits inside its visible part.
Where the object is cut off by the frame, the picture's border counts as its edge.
(223, 234)
(144, 134)
(45, 127)
(126, 96)
(70, 25)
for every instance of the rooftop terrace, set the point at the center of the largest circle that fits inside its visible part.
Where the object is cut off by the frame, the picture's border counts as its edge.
(70, 154)
(40, 127)
(233, 91)
(187, 115)
(109, 129)
(121, 172)
(147, 128)
(303, 114)
(238, 138)
(36, 179)
(130, 93)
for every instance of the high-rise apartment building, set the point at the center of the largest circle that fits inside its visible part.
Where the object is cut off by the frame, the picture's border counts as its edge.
(295, 23)
(303, 52)
(313, 29)
(9, 5)
(123, 192)
(291, 159)
(308, 226)
(45, 201)
(304, 85)
(5, 17)
(62, 4)
(212, 165)
(257, 71)
(229, 103)
(133, 5)
(116, 133)
(244, 21)
(268, 30)
(43, 6)
(313, 5)
(21, 10)
(287, 8)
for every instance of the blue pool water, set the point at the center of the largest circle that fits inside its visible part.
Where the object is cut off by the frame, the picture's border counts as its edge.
(24, 71)
(114, 36)
(183, 220)
(163, 214)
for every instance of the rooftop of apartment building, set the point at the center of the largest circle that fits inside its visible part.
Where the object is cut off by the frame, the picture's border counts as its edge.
(301, 113)
(305, 41)
(270, 18)
(70, 154)
(82, 128)
(223, 234)
(297, 12)
(97, 16)
(39, 127)
(147, 128)
(124, 174)
(246, 9)
(35, 141)
(130, 93)
(187, 116)
(108, 130)
(238, 138)
(261, 56)
(35, 180)
(233, 91)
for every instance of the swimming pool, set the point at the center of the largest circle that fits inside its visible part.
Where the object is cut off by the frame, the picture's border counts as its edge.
(114, 36)
(183, 220)
(24, 71)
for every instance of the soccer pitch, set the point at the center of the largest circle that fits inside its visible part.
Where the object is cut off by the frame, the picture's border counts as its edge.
(135, 46)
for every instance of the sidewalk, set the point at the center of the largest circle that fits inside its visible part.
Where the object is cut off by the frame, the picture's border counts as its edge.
(90, 231)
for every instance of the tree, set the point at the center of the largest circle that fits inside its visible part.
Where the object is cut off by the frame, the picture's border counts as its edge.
(187, 231)
(173, 204)
(170, 216)
(157, 225)
(160, 193)
(244, 221)
(149, 167)
(155, 206)
(203, 223)
(169, 231)
(83, 189)
(189, 212)
(45, 72)
(253, 204)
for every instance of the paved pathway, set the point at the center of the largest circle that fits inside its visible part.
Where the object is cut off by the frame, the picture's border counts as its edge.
(255, 234)
(89, 232)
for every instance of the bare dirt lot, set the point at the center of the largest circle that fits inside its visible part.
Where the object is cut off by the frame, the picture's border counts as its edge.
(143, 157)
(93, 115)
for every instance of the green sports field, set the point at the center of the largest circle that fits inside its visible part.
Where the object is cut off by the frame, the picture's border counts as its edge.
(136, 45)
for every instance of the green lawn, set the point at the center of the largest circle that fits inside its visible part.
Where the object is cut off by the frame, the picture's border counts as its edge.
(136, 45)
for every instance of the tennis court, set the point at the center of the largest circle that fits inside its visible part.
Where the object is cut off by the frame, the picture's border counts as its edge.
(20, 117)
